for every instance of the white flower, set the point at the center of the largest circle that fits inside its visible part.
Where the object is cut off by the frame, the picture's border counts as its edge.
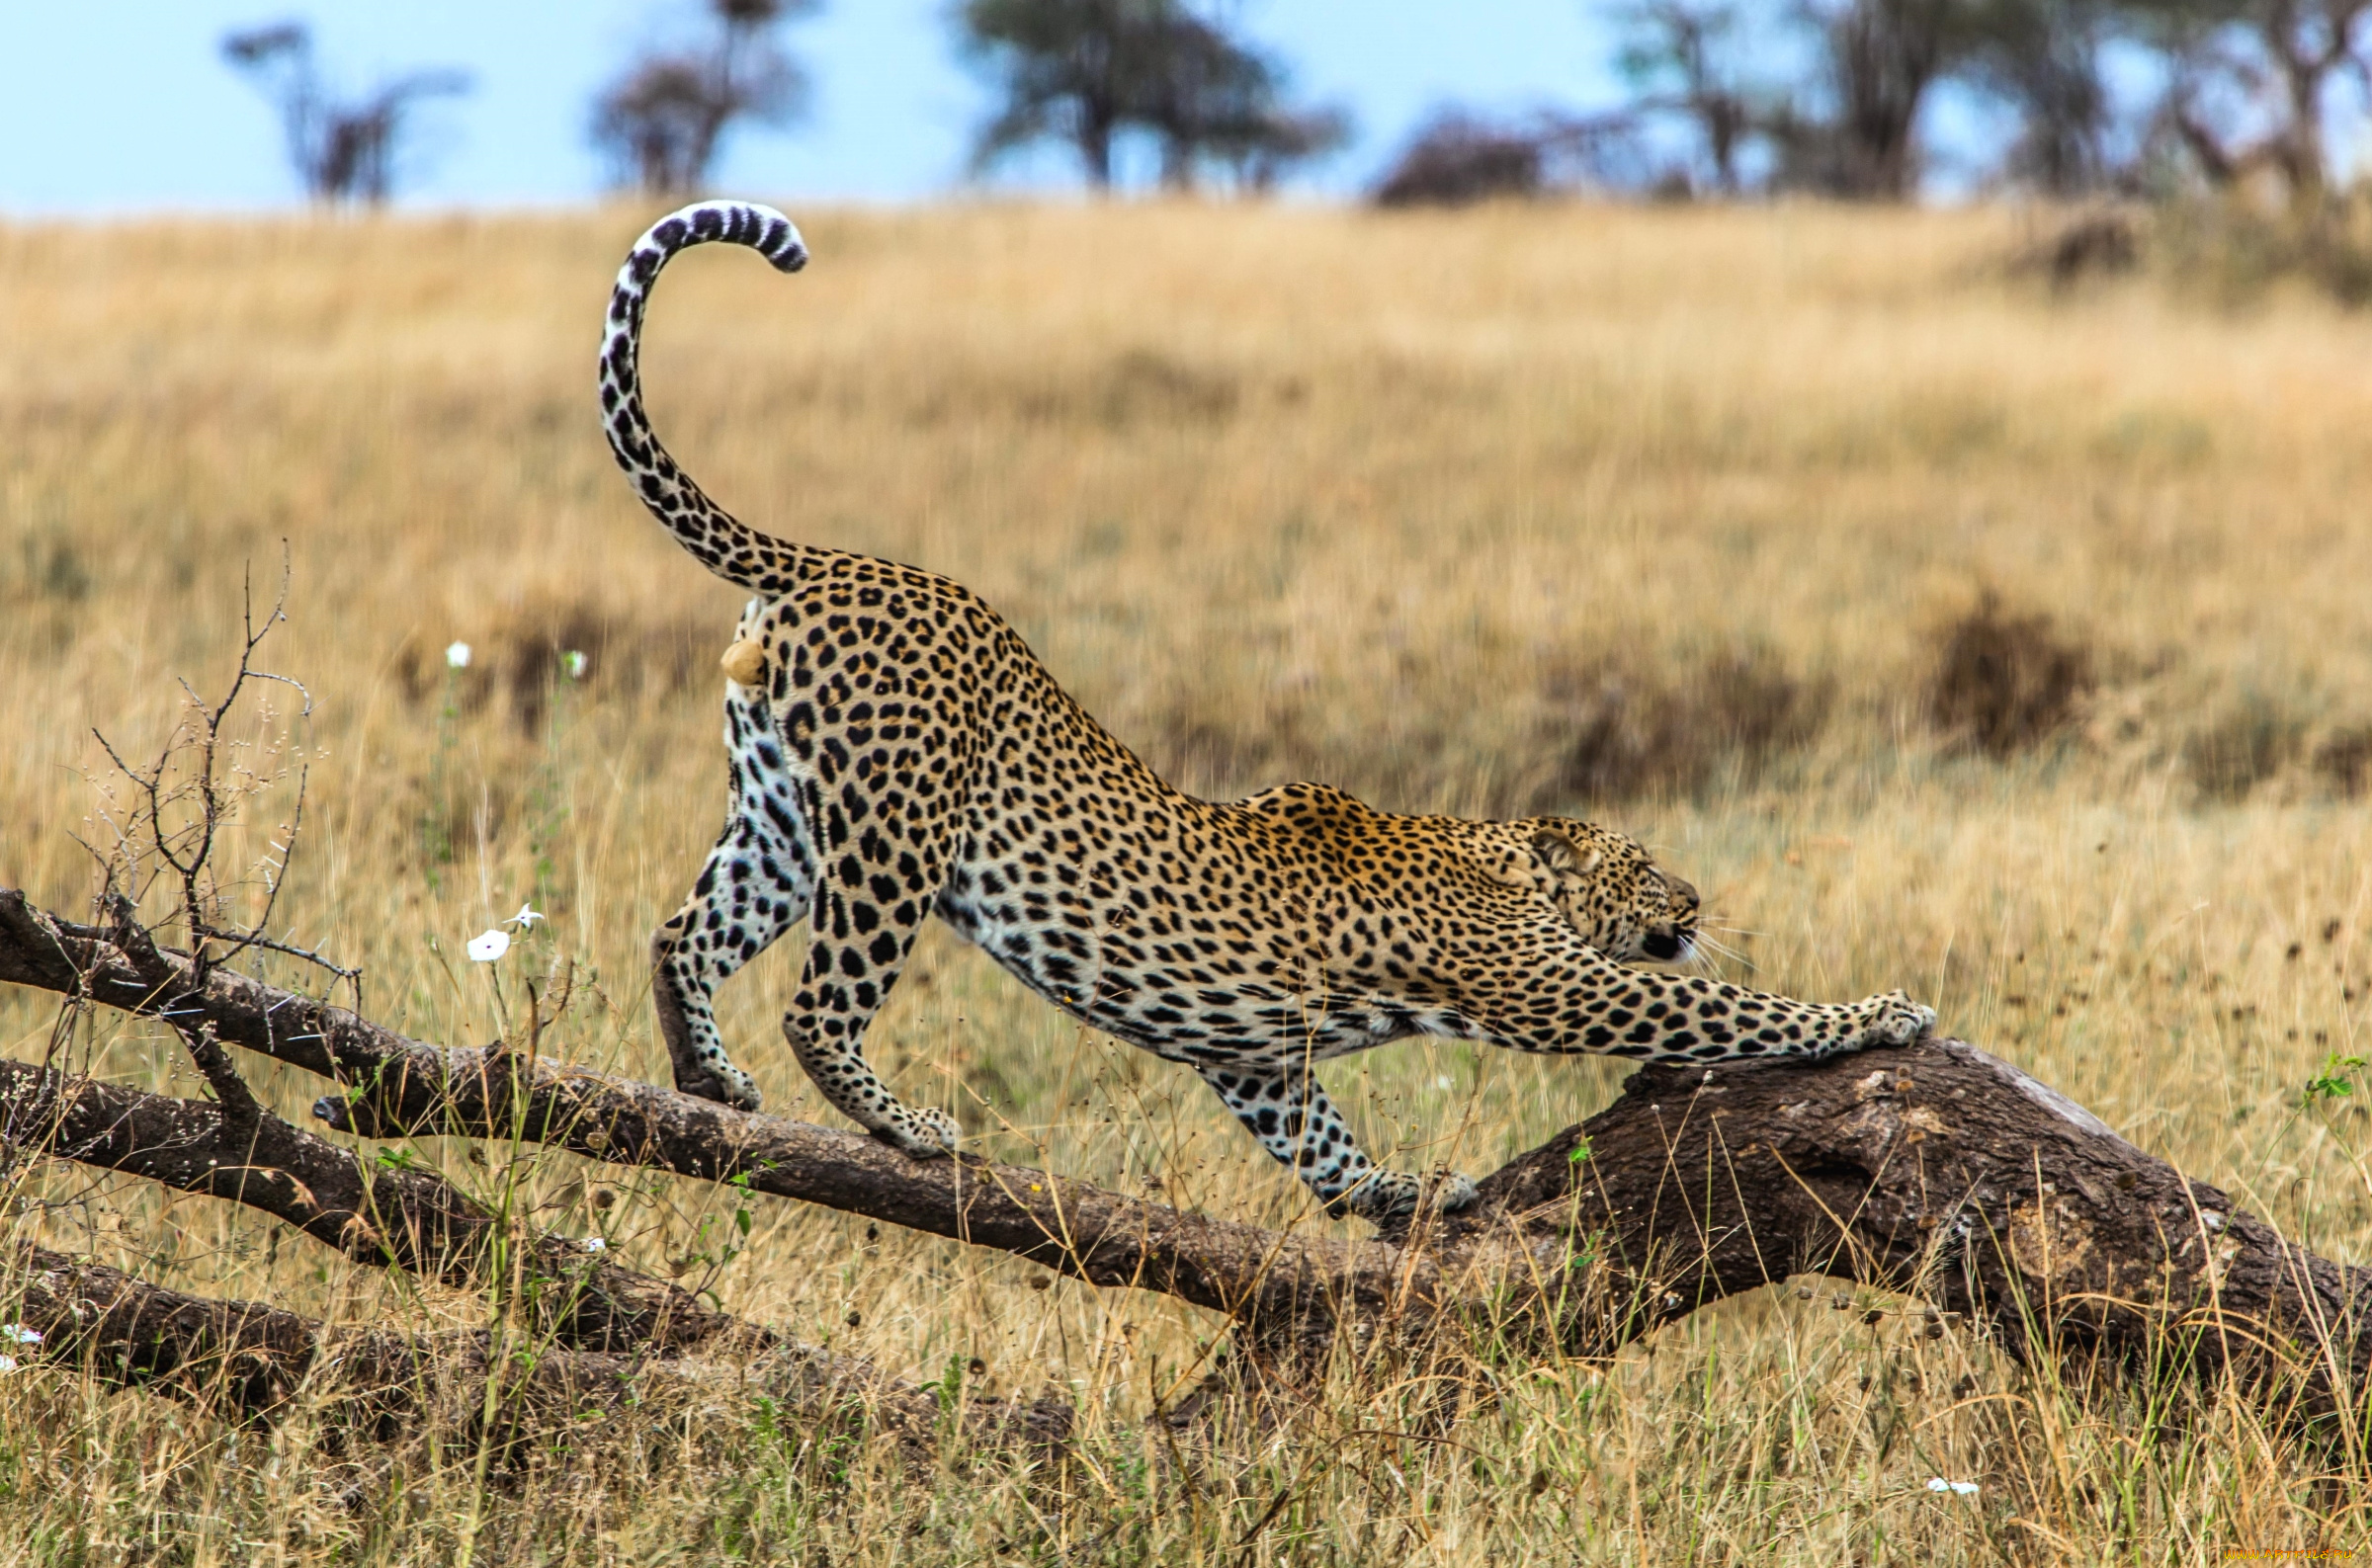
(572, 664)
(456, 655)
(8, 1364)
(1444, 1082)
(1936, 1483)
(18, 1334)
(489, 946)
(525, 917)
(596, 1244)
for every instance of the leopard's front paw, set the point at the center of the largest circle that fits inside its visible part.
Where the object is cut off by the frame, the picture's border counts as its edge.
(1450, 1191)
(920, 1132)
(1894, 1020)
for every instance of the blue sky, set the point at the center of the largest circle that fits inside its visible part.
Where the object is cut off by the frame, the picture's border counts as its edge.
(124, 106)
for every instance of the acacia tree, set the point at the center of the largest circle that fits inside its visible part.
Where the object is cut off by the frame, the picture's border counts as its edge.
(664, 119)
(1088, 71)
(2043, 58)
(1848, 130)
(1879, 60)
(2255, 83)
(341, 151)
(1681, 59)
(1849, 125)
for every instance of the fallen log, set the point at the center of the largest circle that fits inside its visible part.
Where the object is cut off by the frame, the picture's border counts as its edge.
(248, 1361)
(1931, 1169)
(1942, 1172)
(409, 1219)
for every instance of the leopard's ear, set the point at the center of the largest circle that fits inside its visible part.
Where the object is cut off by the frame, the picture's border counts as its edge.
(1529, 849)
(1562, 855)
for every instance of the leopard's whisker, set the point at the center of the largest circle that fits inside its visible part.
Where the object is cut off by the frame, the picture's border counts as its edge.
(1716, 945)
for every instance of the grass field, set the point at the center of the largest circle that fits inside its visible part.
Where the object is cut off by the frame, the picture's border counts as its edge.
(1660, 517)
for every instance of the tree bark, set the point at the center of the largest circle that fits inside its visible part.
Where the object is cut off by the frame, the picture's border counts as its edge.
(1932, 1169)
(1940, 1171)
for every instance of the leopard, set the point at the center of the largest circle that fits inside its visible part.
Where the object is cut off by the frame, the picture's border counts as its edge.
(896, 752)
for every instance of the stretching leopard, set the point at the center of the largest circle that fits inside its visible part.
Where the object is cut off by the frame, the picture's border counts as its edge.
(895, 751)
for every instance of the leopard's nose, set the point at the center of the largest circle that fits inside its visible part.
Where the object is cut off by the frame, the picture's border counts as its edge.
(1684, 896)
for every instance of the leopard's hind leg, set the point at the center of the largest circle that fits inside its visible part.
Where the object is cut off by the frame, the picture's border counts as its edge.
(1287, 1109)
(878, 884)
(759, 880)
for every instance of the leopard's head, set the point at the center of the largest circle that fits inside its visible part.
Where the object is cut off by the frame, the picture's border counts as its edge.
(1622, 902)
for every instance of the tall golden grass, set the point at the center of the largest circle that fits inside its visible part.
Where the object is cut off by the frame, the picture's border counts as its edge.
(1662, 517)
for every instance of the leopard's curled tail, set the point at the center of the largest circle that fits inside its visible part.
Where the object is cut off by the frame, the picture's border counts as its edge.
(720, 541)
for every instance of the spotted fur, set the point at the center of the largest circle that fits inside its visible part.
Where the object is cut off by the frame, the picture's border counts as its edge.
(895, 751)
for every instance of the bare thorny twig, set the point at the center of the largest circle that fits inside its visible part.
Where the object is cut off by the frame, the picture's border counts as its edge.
(182, 802)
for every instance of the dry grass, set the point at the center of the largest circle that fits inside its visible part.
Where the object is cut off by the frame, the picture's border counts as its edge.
(1665, 516)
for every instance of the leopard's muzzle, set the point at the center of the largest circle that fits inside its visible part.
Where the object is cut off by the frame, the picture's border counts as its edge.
(1676, 935)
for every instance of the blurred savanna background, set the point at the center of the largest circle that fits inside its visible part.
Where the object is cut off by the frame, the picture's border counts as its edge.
(1967, 596)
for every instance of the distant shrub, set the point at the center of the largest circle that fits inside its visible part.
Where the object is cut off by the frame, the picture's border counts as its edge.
(2343, 760)
(1456, 159)
(2097, 244)
(527, 655)
(1621, 733)
(2250, 743)
(2005, 682)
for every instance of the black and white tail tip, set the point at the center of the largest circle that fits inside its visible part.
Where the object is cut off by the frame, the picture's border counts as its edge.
(761, 229)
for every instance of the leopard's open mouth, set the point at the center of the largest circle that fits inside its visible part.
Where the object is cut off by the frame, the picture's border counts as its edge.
(1664, 944)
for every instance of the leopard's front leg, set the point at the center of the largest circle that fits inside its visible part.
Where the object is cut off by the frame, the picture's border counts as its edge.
(1631, 1012)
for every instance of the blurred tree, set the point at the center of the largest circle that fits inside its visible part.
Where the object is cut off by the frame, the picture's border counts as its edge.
(2043, 58)
(1680, 57)
(1848, 124)
(664, 118)
(1088, 71)
(1879, 59)
(341, 152)
(2255, 84)
(1214, 101)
